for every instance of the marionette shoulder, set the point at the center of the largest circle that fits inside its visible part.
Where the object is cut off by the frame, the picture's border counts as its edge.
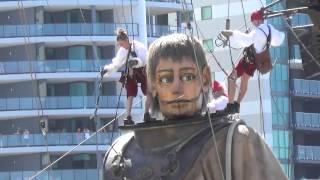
(113, 157)
(252, 157)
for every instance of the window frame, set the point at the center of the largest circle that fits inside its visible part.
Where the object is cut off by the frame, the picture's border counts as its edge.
(203, 11)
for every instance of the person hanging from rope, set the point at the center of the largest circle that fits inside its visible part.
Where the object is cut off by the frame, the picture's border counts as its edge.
(255, 55)
(184, 145)
(132, 55)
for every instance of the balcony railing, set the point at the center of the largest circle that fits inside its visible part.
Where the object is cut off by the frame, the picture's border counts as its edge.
(159, 30)
(54, 139)
(71, 29)
(71, 174)
(51, 66)
(168, 1)
(64, 102)
(307, 120)
(308, 153)
(309, 88)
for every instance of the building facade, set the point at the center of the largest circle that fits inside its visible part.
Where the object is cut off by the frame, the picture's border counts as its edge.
(288, 114)
(51, 52)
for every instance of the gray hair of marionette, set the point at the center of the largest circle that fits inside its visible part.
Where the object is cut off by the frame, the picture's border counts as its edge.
(175, 46)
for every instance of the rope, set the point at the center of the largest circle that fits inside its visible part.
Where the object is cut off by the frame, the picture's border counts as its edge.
(261, 108)
(96, 109)
(75, 147)
(132, 24)
(27, 42)
(202, 88)
(300, 42)
(228, 27)
(244, 16)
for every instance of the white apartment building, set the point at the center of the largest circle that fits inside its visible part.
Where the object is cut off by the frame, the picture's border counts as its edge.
(50, 55)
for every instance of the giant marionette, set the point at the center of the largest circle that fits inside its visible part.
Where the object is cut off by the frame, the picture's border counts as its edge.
(187, 142)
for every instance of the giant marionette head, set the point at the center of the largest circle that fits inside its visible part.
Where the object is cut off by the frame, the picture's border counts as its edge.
(179, 76)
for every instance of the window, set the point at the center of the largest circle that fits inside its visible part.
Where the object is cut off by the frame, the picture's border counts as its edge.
(206, 13)
(208, 44)
(279, 78)
(281, 144)
(280, 110)
(187, 16)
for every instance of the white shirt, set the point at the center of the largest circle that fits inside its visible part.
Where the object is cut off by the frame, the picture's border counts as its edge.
(120, 59)
(257, 38)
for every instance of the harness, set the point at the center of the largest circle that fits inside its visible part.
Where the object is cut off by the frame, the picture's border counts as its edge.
(261, 60)
(138, 74)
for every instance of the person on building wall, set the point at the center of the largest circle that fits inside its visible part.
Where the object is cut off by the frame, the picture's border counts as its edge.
(131, 57)
(180, 144)
(256, 55)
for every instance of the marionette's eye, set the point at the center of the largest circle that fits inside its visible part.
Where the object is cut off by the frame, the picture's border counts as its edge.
(187, 77)
(165, 79)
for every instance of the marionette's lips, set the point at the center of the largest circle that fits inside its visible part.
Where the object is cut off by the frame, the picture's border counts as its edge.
(178, 102)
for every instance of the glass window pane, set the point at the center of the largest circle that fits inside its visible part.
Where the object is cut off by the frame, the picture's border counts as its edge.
(206, 12)
(208, 44)
(275, 135)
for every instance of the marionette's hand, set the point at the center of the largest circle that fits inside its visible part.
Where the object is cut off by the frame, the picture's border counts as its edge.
(133, 62)
(226, 33)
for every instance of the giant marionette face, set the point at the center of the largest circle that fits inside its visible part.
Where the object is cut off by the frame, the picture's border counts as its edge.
(178, 87)
(178, 76)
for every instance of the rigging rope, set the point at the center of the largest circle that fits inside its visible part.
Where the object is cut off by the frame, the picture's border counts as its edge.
(97, 131)
(228, 27)
(261, 108)
(27, 43)
(204, 98)
(300, 42)
(75, 147)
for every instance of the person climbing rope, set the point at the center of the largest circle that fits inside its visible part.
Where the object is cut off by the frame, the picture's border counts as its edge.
(255, 56)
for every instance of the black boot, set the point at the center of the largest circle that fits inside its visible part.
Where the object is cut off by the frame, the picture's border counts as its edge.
(236, 107)
(230, 108)
(146, 117)
(128, 121)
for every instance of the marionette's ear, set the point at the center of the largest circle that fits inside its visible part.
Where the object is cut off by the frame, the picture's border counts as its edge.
(151, 89)
(206, 78)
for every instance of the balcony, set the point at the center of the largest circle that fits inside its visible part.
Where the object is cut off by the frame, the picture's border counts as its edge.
(305, 88)
(51, 66)
(75, 29)
(307, 154)
(160, 30)
(307, 121)
(64, 102)
(158, 7)
(54, 139)
(79, 174)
